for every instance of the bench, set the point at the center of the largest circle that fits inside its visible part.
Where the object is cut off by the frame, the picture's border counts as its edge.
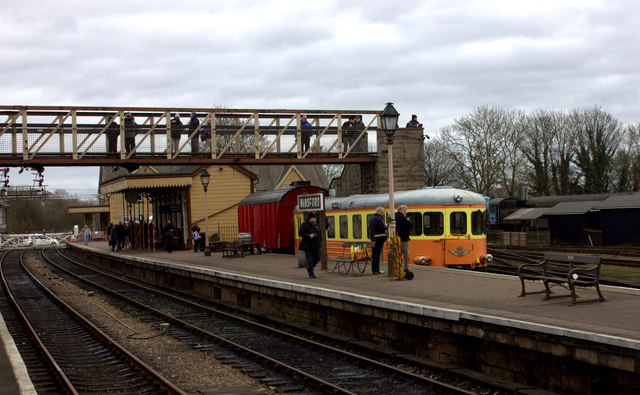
(232, 250)
(559, 269)
(355, 263)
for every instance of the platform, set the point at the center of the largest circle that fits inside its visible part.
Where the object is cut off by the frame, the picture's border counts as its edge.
(475, 295)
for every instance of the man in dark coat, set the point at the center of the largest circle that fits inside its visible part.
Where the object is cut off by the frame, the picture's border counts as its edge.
(193, 125)
(311, 243)
(377, 230)
(130, 131)
(176, 132)
(167, 232)
(403, 227)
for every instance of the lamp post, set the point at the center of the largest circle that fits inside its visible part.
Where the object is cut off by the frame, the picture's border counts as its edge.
(389, 119)
(204, 179)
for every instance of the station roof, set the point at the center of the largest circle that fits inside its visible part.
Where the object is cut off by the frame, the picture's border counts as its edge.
(621, 201)
(526, 214)
(572, 208)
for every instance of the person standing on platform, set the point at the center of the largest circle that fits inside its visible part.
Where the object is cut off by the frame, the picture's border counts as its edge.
(120, 230)
(378, 232)
(193, 125)
(403, 227)
(176, 132)
(86, 233)
(311, 243)
(167, 232)
(113, 238)
(413, 123)
(197, 238)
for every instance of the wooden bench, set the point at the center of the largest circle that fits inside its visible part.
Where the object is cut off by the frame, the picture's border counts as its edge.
(233, 250)
(355, 264)
(559, 269)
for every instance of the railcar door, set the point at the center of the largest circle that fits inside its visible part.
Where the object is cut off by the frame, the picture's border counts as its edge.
(431, 243)
(458, 244)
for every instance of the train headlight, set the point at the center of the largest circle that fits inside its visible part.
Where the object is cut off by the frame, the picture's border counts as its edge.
(488, 258)
(457, 198)
(421, 260)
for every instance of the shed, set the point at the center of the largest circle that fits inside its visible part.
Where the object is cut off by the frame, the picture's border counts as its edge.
(568, 221)
(619, 219)
(268, 216)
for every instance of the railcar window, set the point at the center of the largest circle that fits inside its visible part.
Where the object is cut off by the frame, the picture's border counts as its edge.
(356, 223)
(331, 227)
(344, 227)
(433, 224)
(478, 225)
(416, 221)
(458, 223)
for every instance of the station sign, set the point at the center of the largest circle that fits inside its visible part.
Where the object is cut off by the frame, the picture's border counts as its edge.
(311, 202)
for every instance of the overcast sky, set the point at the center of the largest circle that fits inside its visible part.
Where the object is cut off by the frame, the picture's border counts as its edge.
(437, 59)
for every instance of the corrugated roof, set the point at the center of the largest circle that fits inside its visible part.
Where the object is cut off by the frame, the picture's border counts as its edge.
(526, 214)
(425, 196)
(272, 196)
(572, 208)
(551, 200)
(631, 200)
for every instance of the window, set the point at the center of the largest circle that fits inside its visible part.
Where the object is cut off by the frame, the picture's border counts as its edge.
(416, 221)
(433, 224)
(477, 222)
(356, 222)
(344, 227)
(331, 227)
(458, 223)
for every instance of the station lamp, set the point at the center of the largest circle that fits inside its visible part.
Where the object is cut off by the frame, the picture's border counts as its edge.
(204, 179)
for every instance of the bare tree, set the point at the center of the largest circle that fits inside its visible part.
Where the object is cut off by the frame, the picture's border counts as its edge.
(626, 164)
(512, 174)
(597, 135)
(474, 144)
(438, 167)
(332, 171)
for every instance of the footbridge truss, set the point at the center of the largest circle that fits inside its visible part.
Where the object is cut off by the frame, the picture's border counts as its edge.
(95, 136)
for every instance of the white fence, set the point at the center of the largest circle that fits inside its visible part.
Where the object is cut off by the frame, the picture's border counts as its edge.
(36, 240)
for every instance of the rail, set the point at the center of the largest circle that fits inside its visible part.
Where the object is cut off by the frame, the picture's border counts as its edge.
(101, 135)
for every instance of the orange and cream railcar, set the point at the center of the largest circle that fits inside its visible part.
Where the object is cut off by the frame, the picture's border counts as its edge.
(449, 225)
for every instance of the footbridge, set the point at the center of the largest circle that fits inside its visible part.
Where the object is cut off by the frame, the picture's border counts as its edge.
(38, 136)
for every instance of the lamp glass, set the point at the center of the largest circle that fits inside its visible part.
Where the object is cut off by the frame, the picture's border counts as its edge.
(389, 119)
(204, 178)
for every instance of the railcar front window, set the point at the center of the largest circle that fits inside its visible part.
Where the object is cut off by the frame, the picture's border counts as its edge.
(344, 227)
(356, 223)
(478, 225)
(458, 223)
(416, 222)
(433, 224)
(331, 227)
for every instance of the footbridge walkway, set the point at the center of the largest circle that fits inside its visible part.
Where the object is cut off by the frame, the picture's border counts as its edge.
(39, 136)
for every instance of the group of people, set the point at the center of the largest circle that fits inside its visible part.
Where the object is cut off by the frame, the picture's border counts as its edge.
(117, 234)
(351, 130)
(177, 127)
(311, 239)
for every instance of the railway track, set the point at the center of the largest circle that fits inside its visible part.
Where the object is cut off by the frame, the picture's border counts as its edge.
(75, 356)
(279, 359)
